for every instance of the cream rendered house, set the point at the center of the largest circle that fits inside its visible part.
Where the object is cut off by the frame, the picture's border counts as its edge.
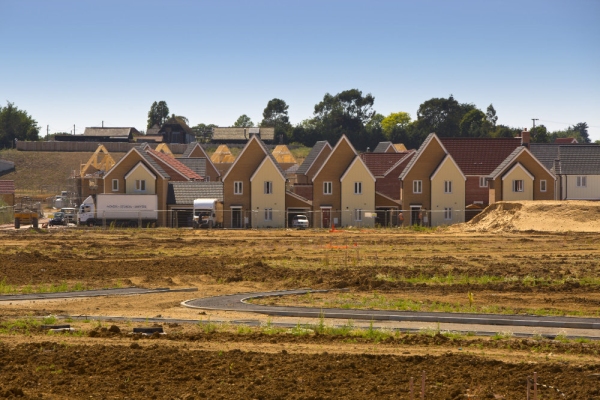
(267, 195)
(140, 180)
(358, 195)
(447, 194)
(517, 184)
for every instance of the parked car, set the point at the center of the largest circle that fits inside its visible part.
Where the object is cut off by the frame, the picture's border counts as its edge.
(58, 219)
(300, 221)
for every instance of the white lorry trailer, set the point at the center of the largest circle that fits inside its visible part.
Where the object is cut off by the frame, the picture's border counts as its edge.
(127, 210)
(205, 212)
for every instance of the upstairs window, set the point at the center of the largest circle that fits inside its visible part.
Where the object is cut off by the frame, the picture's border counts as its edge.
(357, 187)
(543, 185)
(140, 185)
(327, 188)
(115, 185)
(482, 181)
(238, 187)
(268, 187)
(447, 186)
(518, 185)
(418, 186)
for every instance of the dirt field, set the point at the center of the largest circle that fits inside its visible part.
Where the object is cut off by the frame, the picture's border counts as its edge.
(543, 273)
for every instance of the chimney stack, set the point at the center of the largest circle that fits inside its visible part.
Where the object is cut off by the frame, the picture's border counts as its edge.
(525, 138)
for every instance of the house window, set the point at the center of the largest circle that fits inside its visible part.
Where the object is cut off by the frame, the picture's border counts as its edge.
(417, 186)
(447, 213)
(327, 188)
(582, 181)
(482, 181)
(268, 214)
(447, 186)
(268, 187)
(543, 185)
(518, 185)
(357, 214)
(207, 178)
(357, 187)
(238, 187)
(140, 185)
(115, 185)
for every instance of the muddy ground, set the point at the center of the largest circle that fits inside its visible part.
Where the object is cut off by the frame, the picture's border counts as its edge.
(554, 272)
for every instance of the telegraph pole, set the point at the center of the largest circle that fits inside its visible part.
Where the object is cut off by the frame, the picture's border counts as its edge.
(533, 129)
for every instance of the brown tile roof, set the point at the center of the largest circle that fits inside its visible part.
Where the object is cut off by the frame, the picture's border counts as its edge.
(112, 132)
(174, 164)
(380, 163)
(480, 156)
(565, 140)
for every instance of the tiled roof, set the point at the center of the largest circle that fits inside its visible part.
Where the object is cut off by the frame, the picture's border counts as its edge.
(546, 153)
(185, 192)
(506, 162)
(380, 163)
(271, 156)
(112, 132)
(383, 146)
(312, 156)
(413, 160)
(479, 156)
(400, 165)
(565, 140)
(196, 164)
(174, 163)
(188, 150)
(150, 160)
(7, 187)
(235, 133)
(579, 160)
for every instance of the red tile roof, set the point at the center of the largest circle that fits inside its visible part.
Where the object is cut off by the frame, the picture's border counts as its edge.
(380, 163)
(565, 140)
(479, 156)
(7, 187)
(174, 164)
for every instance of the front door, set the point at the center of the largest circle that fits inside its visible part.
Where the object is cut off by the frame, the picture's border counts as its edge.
(325, 217)
(236, 217)
(415, 215)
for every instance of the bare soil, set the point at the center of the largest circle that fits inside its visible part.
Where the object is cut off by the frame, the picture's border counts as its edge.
(546, 270)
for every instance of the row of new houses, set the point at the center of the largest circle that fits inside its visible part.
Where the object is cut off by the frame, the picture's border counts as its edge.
(436, 185)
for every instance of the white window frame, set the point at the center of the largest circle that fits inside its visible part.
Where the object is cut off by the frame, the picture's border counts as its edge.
(358, 214)
(447, 187)
(582, 181)
(268, 214)
(518, 187)
(327, 187)
(543, 185)
(447, 213)
(357, 187)
(238, 187)
(115, 185)
(417, 186)
(482, 182)
(268, 187)
(140, 185)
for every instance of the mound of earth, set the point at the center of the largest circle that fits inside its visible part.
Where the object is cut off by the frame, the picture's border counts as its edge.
(539, 216)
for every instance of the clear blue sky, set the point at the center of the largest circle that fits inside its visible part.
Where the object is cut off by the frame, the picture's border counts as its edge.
(83, 62)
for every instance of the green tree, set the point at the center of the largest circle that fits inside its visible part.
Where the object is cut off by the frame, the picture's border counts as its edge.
(441, 116)
(243, 121)
(345, 113)
(16, 124)
(474, 124)
(491, 116)
(180, 118)
(395, 121)
(540, 134)
(158, 114)
(203, 131)
(582, 129)
(276, 115)
(503, 131)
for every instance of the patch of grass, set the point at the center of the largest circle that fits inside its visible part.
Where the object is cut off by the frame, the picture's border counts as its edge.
(502, 335)
(5, 288)
(49, 320)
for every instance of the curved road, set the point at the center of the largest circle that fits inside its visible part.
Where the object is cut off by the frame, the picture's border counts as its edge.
(238, 302)
(90, 293)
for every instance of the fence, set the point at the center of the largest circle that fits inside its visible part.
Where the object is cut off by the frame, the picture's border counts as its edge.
(6, 215)
(113, 147)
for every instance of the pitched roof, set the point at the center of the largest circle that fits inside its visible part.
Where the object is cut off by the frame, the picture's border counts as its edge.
(185, 192)
(264, 149)
(565, 140)
(422, 148)
(174, 163)
(382, 147)
(504, 164)
(579, 160)
(153, 164)
(236, 133)
(196, 164)
(338, 145)
(381, 163)
(546, 153)
(479, 156)
(7, 187)
(312, 156)
(112, 132)
(400, 147)
(190, 147)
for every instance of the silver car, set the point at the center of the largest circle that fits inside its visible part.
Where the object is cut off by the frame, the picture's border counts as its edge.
(300, 221)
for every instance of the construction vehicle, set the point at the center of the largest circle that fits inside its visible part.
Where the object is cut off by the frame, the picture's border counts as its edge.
(27, 212)
(122, 210)
(205, 213)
